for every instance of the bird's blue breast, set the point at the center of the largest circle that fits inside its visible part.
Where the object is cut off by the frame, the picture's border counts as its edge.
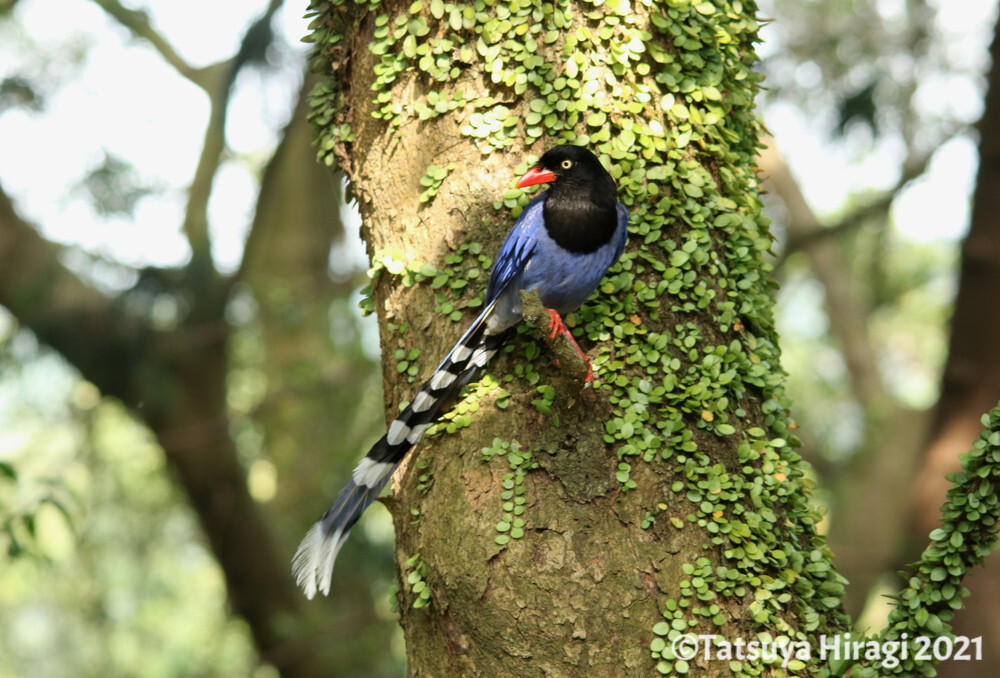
(531, 260)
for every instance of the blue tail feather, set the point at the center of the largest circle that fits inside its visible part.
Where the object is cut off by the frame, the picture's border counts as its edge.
(313, 563)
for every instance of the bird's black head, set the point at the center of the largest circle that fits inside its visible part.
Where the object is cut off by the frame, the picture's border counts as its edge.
(568, 165)
(580, 207)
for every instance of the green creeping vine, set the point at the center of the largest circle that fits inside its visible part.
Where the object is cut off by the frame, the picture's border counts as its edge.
(416, 572)
(511, 524)
(433, 179)
(467, 264)
(970, 518)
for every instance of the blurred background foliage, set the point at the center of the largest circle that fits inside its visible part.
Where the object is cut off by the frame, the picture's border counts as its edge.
(138, 142)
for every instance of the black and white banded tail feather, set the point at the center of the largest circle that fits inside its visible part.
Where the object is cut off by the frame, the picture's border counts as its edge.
(312, 565)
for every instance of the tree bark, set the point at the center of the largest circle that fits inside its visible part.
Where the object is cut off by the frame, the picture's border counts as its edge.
(549, 529)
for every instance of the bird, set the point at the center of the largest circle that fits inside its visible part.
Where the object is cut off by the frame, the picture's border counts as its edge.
(560, 248)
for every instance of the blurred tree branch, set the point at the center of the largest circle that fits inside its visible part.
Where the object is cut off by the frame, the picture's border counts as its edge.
(848, 315)
(801, 235)
(216, 80)
(28, 258)
(137, 21)
(864, 548)
(63, 311)
(214, 145)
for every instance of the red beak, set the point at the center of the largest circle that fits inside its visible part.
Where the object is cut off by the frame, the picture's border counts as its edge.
(536, 175)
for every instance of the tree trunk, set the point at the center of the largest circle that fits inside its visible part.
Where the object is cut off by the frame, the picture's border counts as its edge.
(548, 529)
(970, 383)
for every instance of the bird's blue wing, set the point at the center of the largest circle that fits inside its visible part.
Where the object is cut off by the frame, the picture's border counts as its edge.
(516, 249)
(621, 235)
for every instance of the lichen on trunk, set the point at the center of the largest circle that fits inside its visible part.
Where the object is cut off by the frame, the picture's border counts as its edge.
(562, 530)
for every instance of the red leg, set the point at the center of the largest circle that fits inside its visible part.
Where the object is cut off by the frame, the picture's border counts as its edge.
(557, 327)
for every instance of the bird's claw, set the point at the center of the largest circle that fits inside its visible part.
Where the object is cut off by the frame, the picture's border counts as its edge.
(557, 327)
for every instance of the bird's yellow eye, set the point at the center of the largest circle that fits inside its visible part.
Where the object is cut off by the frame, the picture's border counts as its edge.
(566, 164)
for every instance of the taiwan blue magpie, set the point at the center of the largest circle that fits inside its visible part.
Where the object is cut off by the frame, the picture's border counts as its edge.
(559, 248)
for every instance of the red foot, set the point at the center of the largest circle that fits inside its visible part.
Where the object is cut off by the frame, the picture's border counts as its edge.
(557, 327)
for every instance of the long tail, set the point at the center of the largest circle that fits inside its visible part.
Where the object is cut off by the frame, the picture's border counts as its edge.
(312, 565)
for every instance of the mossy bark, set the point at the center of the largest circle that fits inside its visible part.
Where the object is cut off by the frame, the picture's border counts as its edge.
(561, 530)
